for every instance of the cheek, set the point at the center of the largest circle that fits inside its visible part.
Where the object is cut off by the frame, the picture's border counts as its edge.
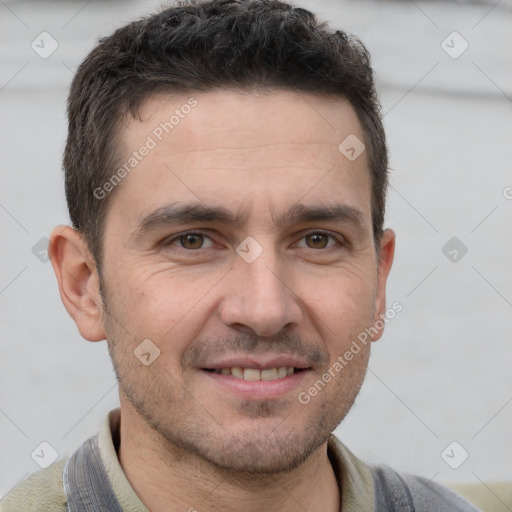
(343, 298)
(341, 310)
(160, 304)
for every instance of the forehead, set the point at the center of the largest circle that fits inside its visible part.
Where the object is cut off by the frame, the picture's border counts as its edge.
(263, 148)
(238, 118)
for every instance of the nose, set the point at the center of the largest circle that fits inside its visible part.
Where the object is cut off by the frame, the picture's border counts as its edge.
(259, 296)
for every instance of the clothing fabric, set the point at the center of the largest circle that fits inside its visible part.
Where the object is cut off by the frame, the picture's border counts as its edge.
(92, 480)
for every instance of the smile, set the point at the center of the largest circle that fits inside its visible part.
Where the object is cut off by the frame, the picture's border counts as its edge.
(254, 374)
(267, 383)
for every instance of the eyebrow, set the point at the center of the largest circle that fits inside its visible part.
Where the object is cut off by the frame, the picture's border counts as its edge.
(188, 213)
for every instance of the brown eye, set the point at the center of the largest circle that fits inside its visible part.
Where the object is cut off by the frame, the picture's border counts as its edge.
(317, 241)
(191, 241)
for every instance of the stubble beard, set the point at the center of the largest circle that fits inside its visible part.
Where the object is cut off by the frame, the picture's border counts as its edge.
(188, 429)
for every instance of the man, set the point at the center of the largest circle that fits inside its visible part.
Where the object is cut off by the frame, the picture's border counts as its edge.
(226, 172)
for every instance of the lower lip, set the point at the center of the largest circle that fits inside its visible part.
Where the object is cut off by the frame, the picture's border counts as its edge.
(258, 389)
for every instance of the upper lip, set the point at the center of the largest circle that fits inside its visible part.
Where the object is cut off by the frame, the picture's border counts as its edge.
(260, 363)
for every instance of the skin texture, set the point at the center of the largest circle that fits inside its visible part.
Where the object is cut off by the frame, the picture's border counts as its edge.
(186, 441)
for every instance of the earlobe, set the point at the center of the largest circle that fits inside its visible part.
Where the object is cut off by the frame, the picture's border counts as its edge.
(386, 255)
(77, 277)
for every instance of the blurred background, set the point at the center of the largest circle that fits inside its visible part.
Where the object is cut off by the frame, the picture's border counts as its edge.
(437, 400)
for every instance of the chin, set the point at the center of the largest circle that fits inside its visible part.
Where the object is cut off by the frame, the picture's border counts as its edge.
(259, 458)
(262, 447)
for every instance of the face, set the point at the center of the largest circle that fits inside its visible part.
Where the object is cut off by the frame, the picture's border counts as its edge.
(240, 244)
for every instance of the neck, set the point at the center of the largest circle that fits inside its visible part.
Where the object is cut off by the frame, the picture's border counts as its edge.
(171, 478)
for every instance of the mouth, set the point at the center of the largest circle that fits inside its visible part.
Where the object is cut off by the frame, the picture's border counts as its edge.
(269, 378)
(256, 374)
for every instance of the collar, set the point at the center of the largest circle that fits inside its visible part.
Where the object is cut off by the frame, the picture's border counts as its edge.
(94, 479)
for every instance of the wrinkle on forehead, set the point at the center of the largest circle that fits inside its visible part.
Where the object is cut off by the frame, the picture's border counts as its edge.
(261, 157)
(229, 115)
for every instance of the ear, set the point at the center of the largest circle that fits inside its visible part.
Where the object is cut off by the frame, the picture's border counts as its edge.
(77, 276)
(386, 254)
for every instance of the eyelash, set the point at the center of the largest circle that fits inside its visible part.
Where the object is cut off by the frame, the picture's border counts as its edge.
(181, 235)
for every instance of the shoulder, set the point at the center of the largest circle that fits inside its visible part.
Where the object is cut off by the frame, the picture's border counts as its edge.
(495, 496)
(409, 493)
(382, 489)
(41, 491)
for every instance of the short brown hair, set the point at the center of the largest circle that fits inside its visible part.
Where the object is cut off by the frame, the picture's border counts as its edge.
(199, 46)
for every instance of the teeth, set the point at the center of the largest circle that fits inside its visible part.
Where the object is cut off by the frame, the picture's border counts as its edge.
(253, 374)
(270, 374)
(282, 372)
(237, 372)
